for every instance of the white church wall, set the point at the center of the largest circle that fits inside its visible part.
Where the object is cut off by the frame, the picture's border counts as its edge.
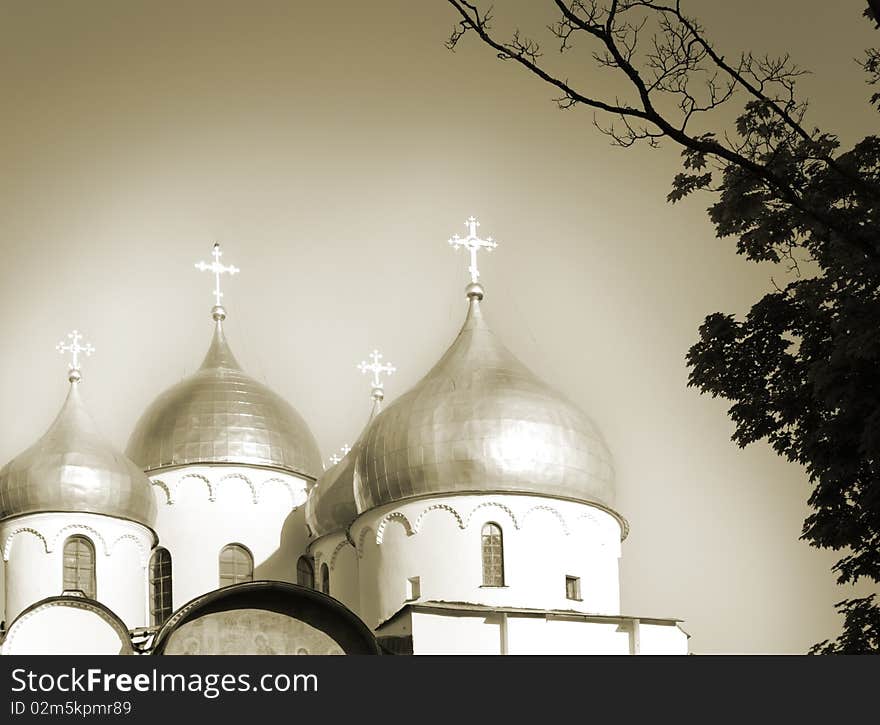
(69, 626)
(201, 509)
(372, 603)
(662, 639)
(440, 631)
(438, 540)
(540, 635)
(33, 552)
(456, 635)
(24, 552)
(494, 633)
(341, 558)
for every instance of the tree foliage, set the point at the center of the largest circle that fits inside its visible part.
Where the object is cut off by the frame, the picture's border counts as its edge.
(802, 369)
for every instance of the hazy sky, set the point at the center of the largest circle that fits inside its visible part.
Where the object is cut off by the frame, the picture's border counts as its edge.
(332, 149)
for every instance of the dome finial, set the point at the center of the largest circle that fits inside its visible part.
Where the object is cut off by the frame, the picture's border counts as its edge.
(218, 312)
(74, 348)
(473, 244)
(377, 368)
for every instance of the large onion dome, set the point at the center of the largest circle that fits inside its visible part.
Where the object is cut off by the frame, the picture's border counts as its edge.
(73, 469)
(222, 415)
(481, 422)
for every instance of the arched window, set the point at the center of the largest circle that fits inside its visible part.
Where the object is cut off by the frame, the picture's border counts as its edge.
(493, 555)
(305, 572)
(160, 586)
(236, 565)
(325, 578)
(79, 565)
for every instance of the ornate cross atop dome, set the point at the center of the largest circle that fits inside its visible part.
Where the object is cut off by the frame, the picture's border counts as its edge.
(74, 348)
(473, 244)
(377, 367)
(217, 268)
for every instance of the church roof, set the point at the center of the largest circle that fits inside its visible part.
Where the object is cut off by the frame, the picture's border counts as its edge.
(222, 415)
(72, 468)
(478, 422)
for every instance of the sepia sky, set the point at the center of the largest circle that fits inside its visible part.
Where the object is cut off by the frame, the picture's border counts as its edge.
(332, 148)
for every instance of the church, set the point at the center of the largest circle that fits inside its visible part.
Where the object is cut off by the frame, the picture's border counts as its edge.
(474, 514)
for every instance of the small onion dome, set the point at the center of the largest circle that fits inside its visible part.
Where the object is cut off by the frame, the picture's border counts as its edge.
(221, 415)
(481, 422)
(331, 506)
(73, 469)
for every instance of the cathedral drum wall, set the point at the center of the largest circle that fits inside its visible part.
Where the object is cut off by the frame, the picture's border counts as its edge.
(340, 556)
(202, 509)
(557, 554)
(33, 552)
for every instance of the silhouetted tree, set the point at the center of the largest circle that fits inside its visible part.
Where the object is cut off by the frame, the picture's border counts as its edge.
(802, 369)
(861, 631)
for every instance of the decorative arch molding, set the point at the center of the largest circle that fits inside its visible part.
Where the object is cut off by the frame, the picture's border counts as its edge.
(495, 504)
(435, 507)
(172, 490)
(144, 554)
(550, 509)
(339, 547)
(588, 519)
(388, 518)
(362, 539)
(200, 477)
(7, 545)
(240, 477)
(95, 536)
(159, 483)
(284, 484)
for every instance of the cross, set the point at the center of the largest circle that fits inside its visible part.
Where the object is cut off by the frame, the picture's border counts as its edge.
(335, 458)
(74, 348)
(473, 244)
(376, 368)
(217, 268)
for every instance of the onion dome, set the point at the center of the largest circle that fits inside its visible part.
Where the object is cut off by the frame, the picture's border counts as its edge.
(481, 422)
(222, 415)
(331, 506)
(73, 469)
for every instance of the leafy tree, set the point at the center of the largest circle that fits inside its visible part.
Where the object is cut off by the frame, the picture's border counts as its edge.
(861, 632)
(802, 368)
